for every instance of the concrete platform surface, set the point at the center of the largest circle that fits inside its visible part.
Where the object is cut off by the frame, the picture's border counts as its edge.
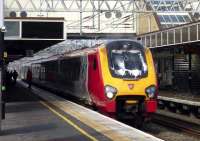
(185, 96)
(27, 119)
(181, 100)
(109, 127)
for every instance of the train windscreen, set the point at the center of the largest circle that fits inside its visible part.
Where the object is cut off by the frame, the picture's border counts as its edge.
(127, 60)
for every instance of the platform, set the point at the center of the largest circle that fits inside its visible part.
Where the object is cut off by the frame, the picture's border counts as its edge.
(27, 119)
(181, 97)
(35, 114)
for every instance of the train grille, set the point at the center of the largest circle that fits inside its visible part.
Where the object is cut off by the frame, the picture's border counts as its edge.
(129, 105)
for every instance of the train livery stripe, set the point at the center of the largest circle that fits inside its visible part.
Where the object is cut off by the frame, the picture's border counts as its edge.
(70, 122)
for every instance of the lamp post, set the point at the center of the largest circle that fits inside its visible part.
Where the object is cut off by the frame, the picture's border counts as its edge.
(2, 30)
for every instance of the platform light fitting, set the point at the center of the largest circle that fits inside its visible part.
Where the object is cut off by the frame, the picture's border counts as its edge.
(23, 14)
(196, 15)
(13, 14)
(118, 14)
(108, 14)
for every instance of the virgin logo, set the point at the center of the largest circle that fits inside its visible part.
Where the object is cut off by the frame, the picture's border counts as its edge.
(130, 86)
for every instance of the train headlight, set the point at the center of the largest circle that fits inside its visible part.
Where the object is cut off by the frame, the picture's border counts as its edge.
(110, 91)
(151, 91)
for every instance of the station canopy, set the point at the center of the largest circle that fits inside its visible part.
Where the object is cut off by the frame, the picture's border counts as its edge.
(104, 16)
(171, 13)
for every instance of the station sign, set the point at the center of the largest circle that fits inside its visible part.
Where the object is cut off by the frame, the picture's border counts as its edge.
(1, 14)
(42, 29)
(12, 29)
(31, 28)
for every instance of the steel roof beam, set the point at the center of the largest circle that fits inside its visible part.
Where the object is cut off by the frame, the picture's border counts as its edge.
(105, 5)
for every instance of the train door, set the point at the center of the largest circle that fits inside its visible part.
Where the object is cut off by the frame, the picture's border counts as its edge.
(42, 73)
(95, 84)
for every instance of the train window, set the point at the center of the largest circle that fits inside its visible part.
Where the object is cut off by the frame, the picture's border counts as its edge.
(95, 64)
(127, 60)
(70, 69)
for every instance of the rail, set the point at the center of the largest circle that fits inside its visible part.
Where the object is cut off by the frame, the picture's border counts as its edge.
(187, 127)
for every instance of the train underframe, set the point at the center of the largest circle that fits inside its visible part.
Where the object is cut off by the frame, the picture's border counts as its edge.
(134, 109)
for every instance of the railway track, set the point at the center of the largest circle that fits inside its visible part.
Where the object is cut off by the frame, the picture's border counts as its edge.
(183, 126)
(186, 127)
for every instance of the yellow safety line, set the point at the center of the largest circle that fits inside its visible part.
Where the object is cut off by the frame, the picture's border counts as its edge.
(69, 122)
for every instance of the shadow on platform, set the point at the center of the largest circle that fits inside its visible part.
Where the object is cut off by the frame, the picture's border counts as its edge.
(17, 93)
(29, 129)
(18, 107)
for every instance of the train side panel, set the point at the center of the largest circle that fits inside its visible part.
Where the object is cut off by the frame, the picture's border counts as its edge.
(73, 76)
(151, 105)
(67, 75)
(95, 82)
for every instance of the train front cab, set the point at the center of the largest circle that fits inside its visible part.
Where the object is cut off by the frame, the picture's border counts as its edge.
(130, 96)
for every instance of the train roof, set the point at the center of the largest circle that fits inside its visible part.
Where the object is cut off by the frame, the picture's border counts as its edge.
(64, 49)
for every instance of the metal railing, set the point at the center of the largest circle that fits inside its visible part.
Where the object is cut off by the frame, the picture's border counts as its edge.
(187, 33)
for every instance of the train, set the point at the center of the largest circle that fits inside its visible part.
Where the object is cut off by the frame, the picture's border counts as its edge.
(117, 77)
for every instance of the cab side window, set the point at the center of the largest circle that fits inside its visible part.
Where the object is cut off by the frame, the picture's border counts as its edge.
(95, 64)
